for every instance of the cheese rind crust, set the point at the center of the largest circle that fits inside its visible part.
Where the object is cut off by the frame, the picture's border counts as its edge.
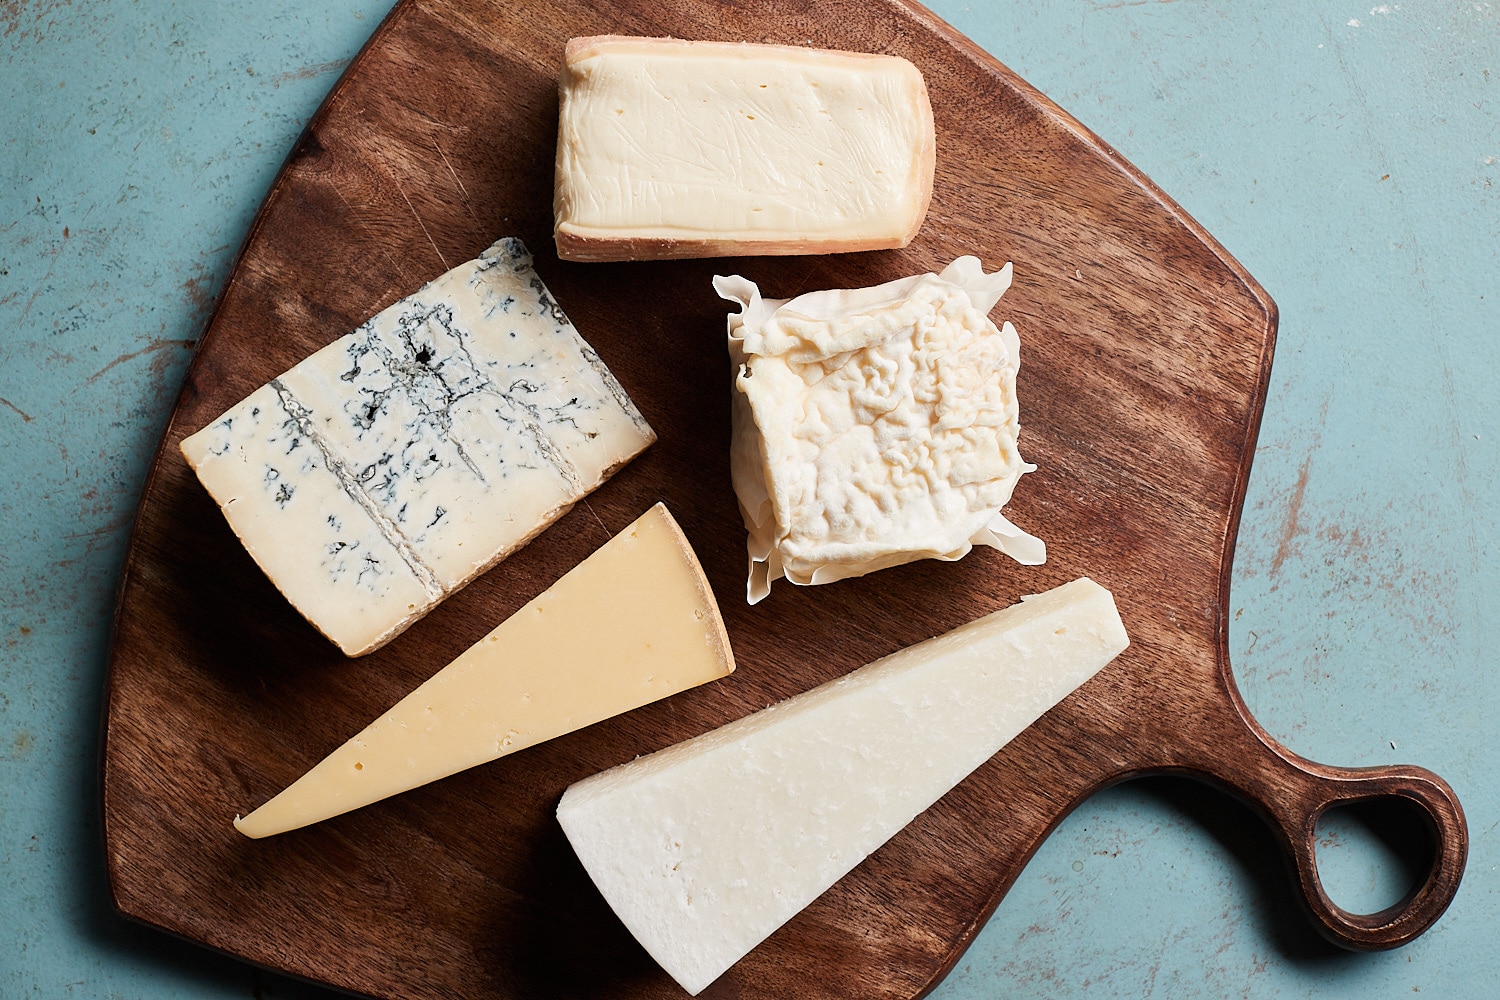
(396, 464)
(874, 426)
(669, 148)
(707, 847)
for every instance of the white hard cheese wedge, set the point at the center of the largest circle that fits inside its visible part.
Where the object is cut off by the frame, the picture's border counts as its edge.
(393, 466)
(670, 148)
(874, 426)
(705, 848)
(631, 624)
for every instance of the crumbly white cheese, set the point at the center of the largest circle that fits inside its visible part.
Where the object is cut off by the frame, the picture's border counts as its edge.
(671, 148)
(705, 848)
(402, 460)
(874, 426)
(631, 624)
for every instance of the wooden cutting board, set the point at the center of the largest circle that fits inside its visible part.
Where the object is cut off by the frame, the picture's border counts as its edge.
(1146, 351)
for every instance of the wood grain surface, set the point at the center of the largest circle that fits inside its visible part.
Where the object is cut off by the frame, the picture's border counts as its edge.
(1145, 354)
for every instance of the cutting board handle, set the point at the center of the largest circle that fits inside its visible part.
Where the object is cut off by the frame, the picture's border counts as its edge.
(1293, 794)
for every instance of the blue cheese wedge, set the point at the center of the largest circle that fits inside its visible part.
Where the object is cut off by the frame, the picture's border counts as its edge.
(396, 464)
(705, 848)
(874, 426)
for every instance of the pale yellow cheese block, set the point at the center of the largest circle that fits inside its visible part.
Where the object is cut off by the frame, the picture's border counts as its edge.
(672, 148)
(631, 624)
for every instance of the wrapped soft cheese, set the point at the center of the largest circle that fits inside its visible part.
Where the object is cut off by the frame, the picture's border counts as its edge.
(393, 466)
(670, 148)
(874, 426)
(707, 847)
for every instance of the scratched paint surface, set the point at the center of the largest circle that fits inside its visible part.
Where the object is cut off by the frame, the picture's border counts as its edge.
(136, 141)
(1346, 153)
(1349, 155)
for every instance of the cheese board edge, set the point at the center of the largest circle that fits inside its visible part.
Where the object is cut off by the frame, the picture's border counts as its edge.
(972, 51)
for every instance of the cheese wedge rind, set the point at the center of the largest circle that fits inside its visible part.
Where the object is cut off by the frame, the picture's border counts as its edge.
(671, 148)
(705, 848)
(633, 623)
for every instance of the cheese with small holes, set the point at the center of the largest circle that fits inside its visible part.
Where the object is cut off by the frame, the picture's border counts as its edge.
(633, 623)
(396, 464)
(707, 847)
(671, 148)
(874, 426)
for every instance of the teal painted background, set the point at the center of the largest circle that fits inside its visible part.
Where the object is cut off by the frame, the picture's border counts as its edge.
(1346, 153)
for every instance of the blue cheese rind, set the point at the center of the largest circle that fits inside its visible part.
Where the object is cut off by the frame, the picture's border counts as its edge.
(440, 435)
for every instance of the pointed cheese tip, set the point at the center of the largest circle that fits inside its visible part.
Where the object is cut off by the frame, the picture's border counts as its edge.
(257, 827)
(272, 817)
(243, 825)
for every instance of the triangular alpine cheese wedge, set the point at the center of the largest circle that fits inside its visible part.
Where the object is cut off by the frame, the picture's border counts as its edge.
(705, 848)
(631, 624)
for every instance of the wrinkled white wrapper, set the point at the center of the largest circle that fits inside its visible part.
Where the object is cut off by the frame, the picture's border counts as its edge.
(747, 465)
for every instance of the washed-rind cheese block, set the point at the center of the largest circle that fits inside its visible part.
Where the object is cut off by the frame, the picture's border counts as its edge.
(707, 847)
(874, 426)
(633, 623)
(396, 464)
(671, 148)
